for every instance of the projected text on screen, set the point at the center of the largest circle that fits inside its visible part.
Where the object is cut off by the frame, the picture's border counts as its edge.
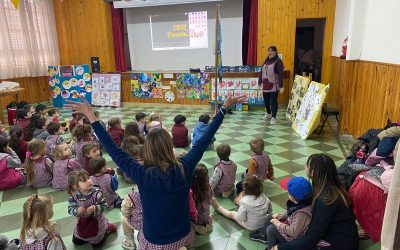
(179, 31)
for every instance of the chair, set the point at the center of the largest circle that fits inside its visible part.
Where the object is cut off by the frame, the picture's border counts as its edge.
(328, 111)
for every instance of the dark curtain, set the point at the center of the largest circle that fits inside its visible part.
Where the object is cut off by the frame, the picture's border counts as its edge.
(245, 31)
(118, 35)
(253, 34)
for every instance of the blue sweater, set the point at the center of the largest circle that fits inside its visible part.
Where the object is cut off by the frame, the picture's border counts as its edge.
(164, 195)
(198, 131)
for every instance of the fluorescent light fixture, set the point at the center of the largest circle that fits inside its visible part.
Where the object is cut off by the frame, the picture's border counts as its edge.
(148, 3)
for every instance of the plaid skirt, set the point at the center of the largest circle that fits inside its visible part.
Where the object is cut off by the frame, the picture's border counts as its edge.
(186, 241)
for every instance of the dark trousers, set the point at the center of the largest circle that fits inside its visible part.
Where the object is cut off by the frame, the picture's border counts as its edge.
(239, 186)
(271, 233)
(271, 102)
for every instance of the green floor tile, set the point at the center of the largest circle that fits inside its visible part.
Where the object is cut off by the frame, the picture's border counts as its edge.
(288, 153)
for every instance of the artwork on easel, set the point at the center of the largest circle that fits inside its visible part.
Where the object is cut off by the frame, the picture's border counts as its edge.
(299, 89)
(308, 116)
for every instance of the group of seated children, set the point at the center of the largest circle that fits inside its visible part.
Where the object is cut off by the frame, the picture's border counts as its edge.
(77, 167)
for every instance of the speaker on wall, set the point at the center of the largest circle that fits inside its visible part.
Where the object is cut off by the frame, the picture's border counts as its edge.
(95, 64)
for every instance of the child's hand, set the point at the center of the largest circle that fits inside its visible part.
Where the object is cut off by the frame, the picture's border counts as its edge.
(275, 222)
(81, 211)
(90, 210)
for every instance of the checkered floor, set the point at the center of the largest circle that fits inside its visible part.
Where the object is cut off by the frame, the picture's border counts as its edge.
(287, 150)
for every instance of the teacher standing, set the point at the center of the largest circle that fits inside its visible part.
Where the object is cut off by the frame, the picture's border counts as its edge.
(271, 80)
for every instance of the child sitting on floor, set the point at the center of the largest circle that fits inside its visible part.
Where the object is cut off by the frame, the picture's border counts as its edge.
(254, 206)
(132, 213)
(180, 133)
(115, 130)
(132, 129)
(202, 194)
(41, 109)
(130, 145)
(11, 175)
(259, 165)
(155, 122)
(142, 123)
(38, 167)
(223, 180)
(97, 114)
(87, 203)
(37, 231)
(40, 131)
(17, 144)
(200, 129)
(62, 166)
(23, 121)
(285, 227)
(83, 135)
(12, 113)
(107, 183)
(3, 132)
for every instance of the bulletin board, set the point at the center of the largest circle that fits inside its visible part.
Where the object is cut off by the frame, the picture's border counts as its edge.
(309, 114)
(68, 82)
(299, 89)
(170, 86)
(106, 90)
(229, 87)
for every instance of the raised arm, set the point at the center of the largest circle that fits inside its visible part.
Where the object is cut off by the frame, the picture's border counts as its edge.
(191, 159)
(121, 158)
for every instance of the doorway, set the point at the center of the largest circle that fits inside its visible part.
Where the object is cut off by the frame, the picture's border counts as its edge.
(309, 47)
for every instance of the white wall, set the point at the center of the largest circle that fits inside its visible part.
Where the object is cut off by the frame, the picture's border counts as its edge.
(372, 27)
(357, 22)
(144, 59)
(341, 28)
(381, 40)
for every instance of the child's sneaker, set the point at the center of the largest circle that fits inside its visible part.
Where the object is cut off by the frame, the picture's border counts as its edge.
(256, 236)
(128, 244)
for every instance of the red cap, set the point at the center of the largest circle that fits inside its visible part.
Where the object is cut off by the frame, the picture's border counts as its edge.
(284, 183)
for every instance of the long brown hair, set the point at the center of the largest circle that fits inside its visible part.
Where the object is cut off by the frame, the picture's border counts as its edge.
(35, 147)
(158, 150)
(132, 129)
(325, 180)
(200, 187)
(37, 212)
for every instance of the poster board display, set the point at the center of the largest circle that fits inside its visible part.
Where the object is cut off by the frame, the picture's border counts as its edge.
(170, 86)
(299, 89)
(229, 87)
(106, 90)
(309, 114)
(68, 82)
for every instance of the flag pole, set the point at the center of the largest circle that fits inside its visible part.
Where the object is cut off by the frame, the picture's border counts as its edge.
(216, 61)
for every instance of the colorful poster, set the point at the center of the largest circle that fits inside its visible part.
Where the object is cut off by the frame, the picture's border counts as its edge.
(67, 82)
(309, 114)
(144, 85)
(299, 89)
(106, 90)
(193, 86)
(240, 86)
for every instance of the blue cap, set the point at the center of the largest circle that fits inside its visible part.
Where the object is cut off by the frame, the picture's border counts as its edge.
(298, 187)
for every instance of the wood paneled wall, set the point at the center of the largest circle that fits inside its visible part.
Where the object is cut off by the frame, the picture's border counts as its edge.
(84, 30)
(366, 93)
(277, 26)
(36, 90)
